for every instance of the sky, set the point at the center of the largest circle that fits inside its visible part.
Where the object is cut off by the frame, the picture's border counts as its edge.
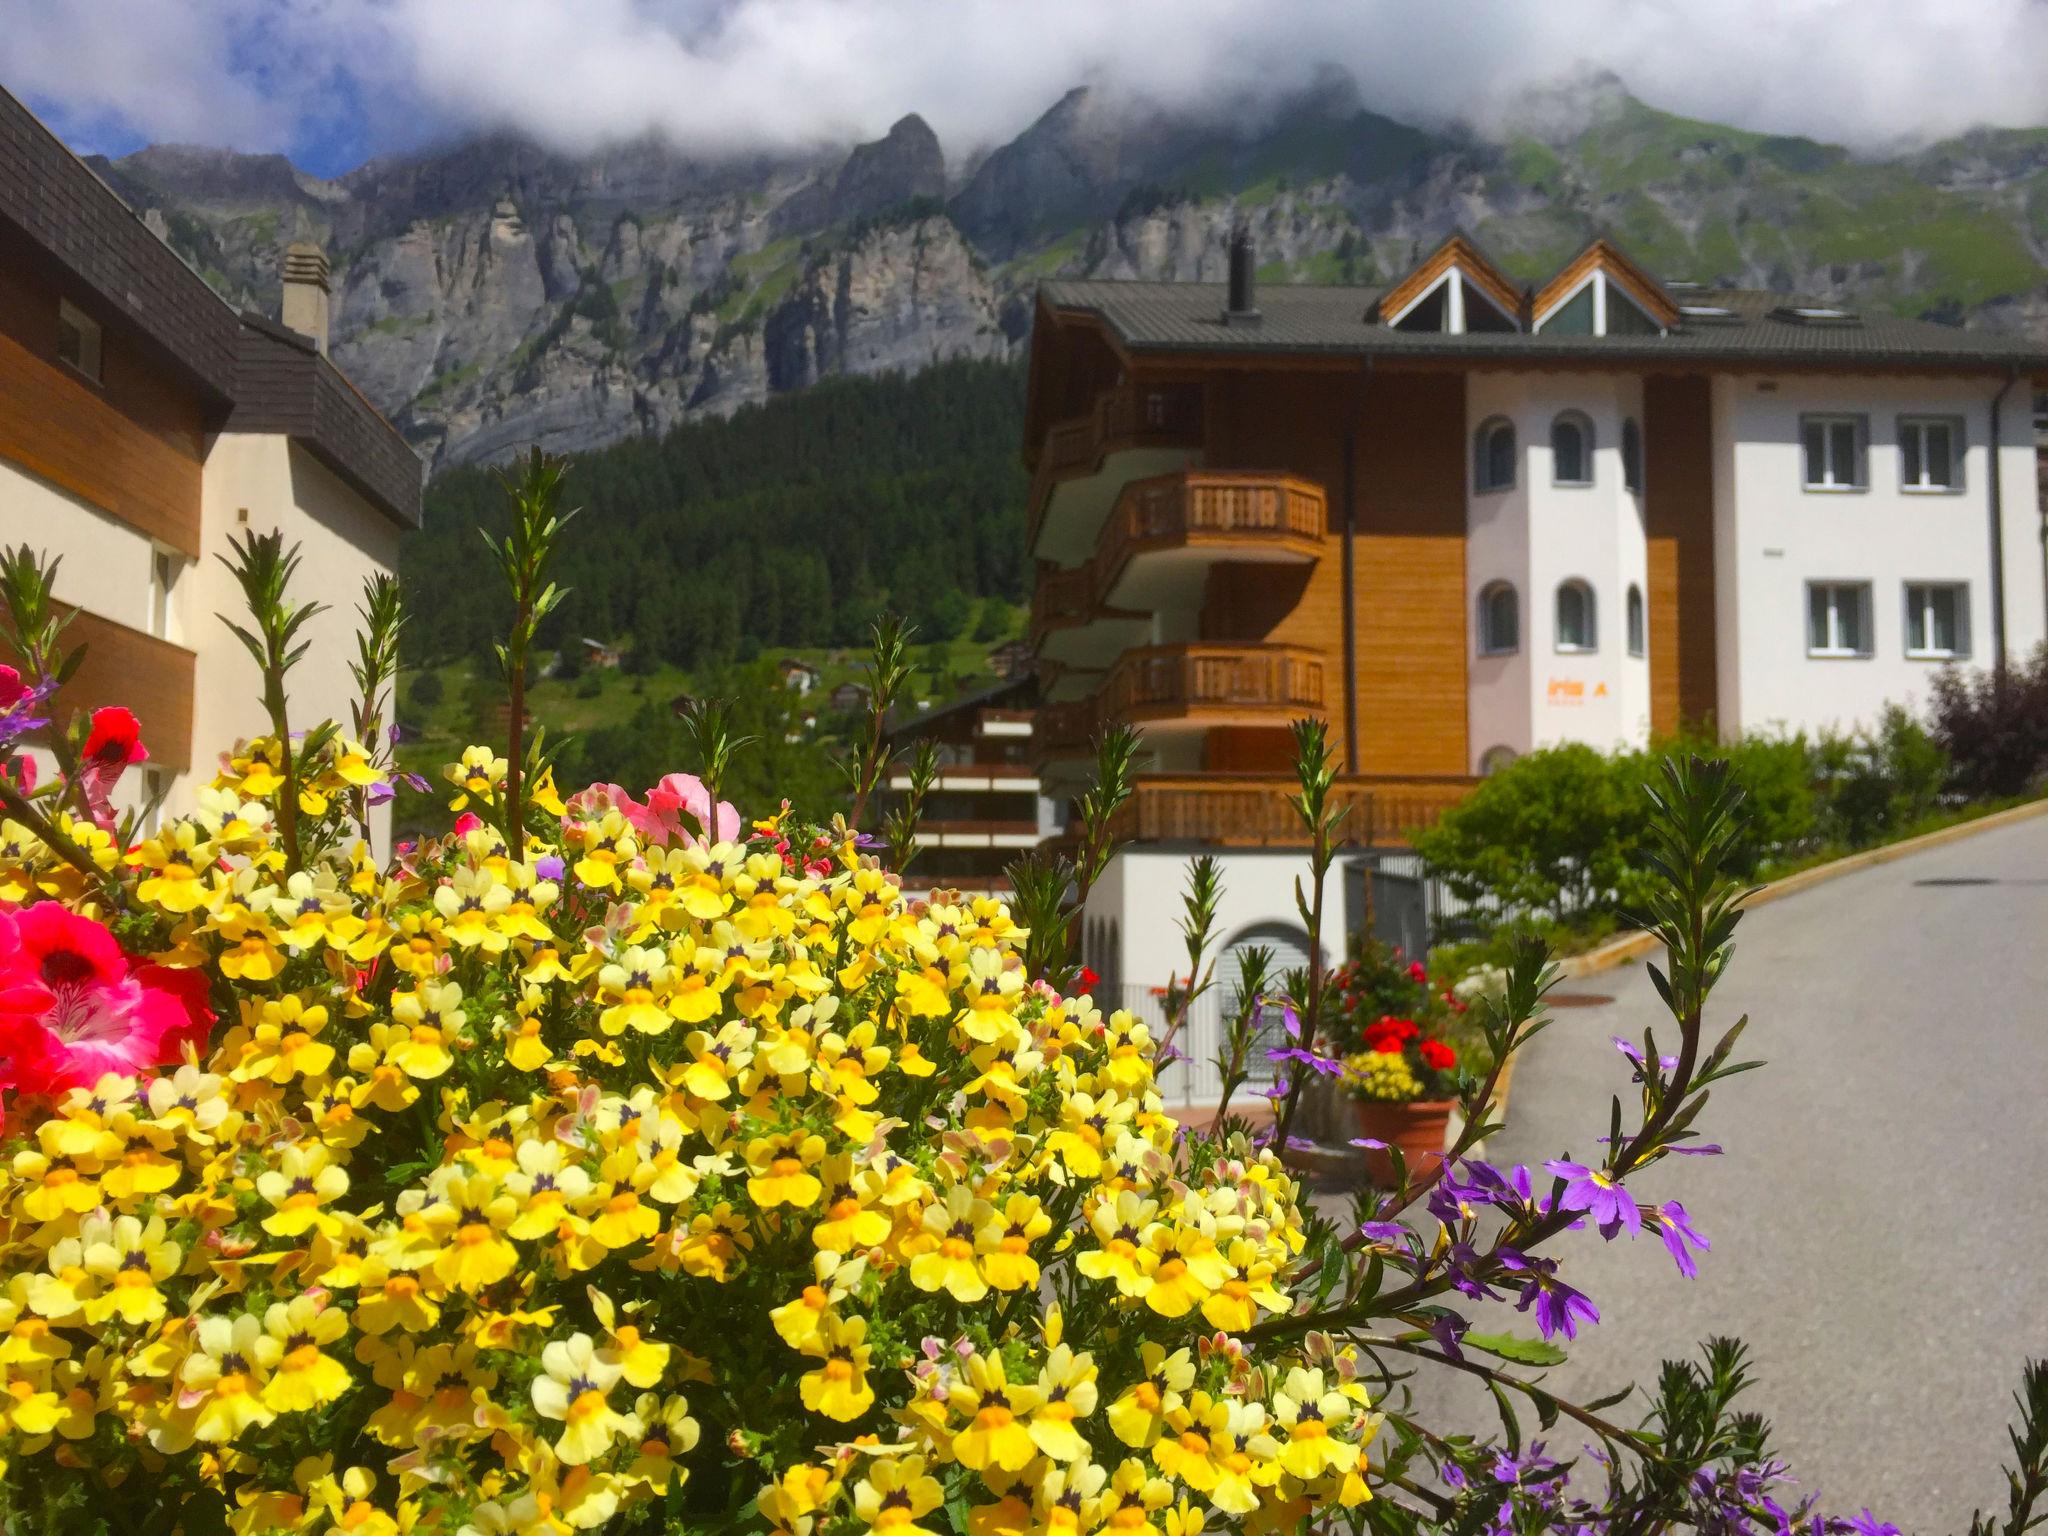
(332, 82)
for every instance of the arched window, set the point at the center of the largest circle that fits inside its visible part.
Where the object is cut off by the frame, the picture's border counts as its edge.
(1493, 759)
(1493, 455)
(1576, 628)
(1632, 457)
(1638, 622)
(1500, 620)
(1571, 450)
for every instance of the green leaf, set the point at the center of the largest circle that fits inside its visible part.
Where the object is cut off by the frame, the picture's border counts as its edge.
(1510, 1346)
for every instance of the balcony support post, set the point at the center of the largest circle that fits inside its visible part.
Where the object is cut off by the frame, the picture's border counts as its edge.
(1350, 569)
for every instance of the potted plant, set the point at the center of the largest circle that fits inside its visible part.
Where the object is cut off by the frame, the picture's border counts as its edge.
(1399, 1072)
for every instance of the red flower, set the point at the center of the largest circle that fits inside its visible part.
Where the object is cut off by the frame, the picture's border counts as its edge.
(1437, 1056)
(116, 739)
(73, 1007)
(1089, 980)
(1417, 972)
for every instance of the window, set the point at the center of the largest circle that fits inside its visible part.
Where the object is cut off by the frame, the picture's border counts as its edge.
(1632, 457)
(1576, 630)
(1500, 620)
(1937, 620)
(1571, 450)
(1838, 618)
(1638, 622)
(1493, 455)
(164, 568)
(1833, 451)
(78, 340)
(1928, 457)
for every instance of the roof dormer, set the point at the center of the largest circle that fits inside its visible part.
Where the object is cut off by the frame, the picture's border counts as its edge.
(1456, 291)
(1600, 292)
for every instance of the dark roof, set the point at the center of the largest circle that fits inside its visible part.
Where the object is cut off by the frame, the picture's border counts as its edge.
(1021, 691)
(257, 375)
(1302, 319)
(283, 385)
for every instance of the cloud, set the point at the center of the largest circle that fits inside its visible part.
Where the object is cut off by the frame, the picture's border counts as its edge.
(731, 75)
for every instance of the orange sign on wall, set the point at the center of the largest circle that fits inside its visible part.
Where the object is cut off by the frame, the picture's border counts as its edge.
(1571, 692)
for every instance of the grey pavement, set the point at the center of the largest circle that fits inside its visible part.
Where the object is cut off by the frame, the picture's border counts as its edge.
(1880, 1217)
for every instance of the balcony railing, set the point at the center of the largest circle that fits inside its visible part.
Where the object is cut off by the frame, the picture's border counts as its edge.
(1161, 681)
(1158, 416)
(1251, 810)
(1066, 729)
(1061, 598)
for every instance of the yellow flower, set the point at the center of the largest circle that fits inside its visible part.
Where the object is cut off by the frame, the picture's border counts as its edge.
(1139, 1416)
(838, 1388)
(223, 1378)
(779, 1169)
(1307, 1411)
(1066, 1388)
(852, 1221)
(304, 1181)
(995, 986)
(953, 1230)
(576, 1376)
(667, 1431)
(1233, 1307)
(1123, 1226)
(131, 1260)
(304, 1376)
(996, 1434)
(468, 1217)
(544, 1185)
(1134, 1493)
(896, 1494)
(634, 987)
(1006, 1239)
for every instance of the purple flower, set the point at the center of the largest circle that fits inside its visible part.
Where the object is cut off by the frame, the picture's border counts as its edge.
(1385, 1231)
(1676, 1228)
(1711, 1149)
(549, 866)
(1370, 1143)
(378, 793)
(1634, 1053)
(1461, 1260)
(1865, 1524)
(1559, 1308)
(415, 782)
(1309, 1059)
(1589, 1190)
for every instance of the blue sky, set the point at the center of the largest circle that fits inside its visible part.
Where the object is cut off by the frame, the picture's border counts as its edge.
(331, 82)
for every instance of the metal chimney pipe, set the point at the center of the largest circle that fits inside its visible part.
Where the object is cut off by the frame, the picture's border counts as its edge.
(1241, 307)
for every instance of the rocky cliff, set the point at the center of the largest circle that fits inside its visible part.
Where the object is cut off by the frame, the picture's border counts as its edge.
(493, 294)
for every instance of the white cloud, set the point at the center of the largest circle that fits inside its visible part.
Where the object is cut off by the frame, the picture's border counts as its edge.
(722, 75)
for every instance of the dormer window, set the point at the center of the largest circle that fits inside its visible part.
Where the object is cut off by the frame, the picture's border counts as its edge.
(1598, 307)
(1454, 305)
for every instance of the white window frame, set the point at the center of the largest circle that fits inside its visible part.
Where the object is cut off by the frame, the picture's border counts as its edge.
(1919, 609)
(1834, 650)
(1489, 642)
(1636, 622)
(1566, 647)
(1919, 424)
(1827, 421)
(1584, 423)
(1482, 456)
(1454, 303)
(1599, 281)
(91, 360)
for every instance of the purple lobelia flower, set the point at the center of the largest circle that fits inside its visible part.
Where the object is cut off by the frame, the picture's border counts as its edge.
(1865, 1524)
(1676, 1228)
(1589, 1190)
(1559, 1307)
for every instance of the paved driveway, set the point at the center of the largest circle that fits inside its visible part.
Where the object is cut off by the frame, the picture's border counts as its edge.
(1880, 1218)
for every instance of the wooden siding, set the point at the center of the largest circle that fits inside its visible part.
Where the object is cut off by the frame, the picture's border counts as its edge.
(1409, 554)
(1251, 810)
(1678, 510)
(130, 446)
(139, 672)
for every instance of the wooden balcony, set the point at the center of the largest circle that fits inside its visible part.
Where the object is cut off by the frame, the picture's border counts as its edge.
(1066, 729)
(1167, 418)
(152, 677)
(1214, 684)
(1251, 810)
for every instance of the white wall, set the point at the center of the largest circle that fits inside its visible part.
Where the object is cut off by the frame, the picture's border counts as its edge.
(1773, 537)
(1540, 534)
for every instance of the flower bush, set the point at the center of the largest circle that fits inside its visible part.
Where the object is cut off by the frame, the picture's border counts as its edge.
(615, 1162)
(1388, 1019)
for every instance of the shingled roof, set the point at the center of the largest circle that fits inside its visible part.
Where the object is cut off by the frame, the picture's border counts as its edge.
(1299, 319)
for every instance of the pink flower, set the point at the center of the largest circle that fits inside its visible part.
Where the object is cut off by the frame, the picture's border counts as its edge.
(73, 1008)
(593, 800)
(12, 688)
(682, 805)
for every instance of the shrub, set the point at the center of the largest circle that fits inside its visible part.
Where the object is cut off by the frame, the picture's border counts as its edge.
(427, 689)
(1994, 729)
(590, 685)
(1554, 832)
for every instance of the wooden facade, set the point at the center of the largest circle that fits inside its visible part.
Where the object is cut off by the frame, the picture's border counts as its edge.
(130, 444)
(152, 677)
(1678, 515)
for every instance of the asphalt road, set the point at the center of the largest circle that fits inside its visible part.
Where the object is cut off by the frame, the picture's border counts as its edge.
(1880, 1217)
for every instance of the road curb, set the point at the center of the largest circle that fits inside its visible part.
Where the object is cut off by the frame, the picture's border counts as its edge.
(1629, 946)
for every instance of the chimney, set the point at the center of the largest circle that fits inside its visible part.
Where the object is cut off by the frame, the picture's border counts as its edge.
(1239, 308)
(305, 293)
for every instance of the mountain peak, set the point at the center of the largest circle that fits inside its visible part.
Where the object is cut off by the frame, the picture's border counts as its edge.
(902, 166)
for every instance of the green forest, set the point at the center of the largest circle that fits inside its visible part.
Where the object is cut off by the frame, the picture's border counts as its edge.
(794, 523)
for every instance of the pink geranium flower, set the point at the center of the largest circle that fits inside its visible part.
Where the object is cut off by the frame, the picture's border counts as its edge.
(73, 1007)
(682, 806)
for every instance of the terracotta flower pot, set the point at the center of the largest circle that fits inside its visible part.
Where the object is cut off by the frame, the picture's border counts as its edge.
(1419, 1127)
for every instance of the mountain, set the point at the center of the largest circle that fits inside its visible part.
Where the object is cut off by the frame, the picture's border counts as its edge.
(492, 293)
